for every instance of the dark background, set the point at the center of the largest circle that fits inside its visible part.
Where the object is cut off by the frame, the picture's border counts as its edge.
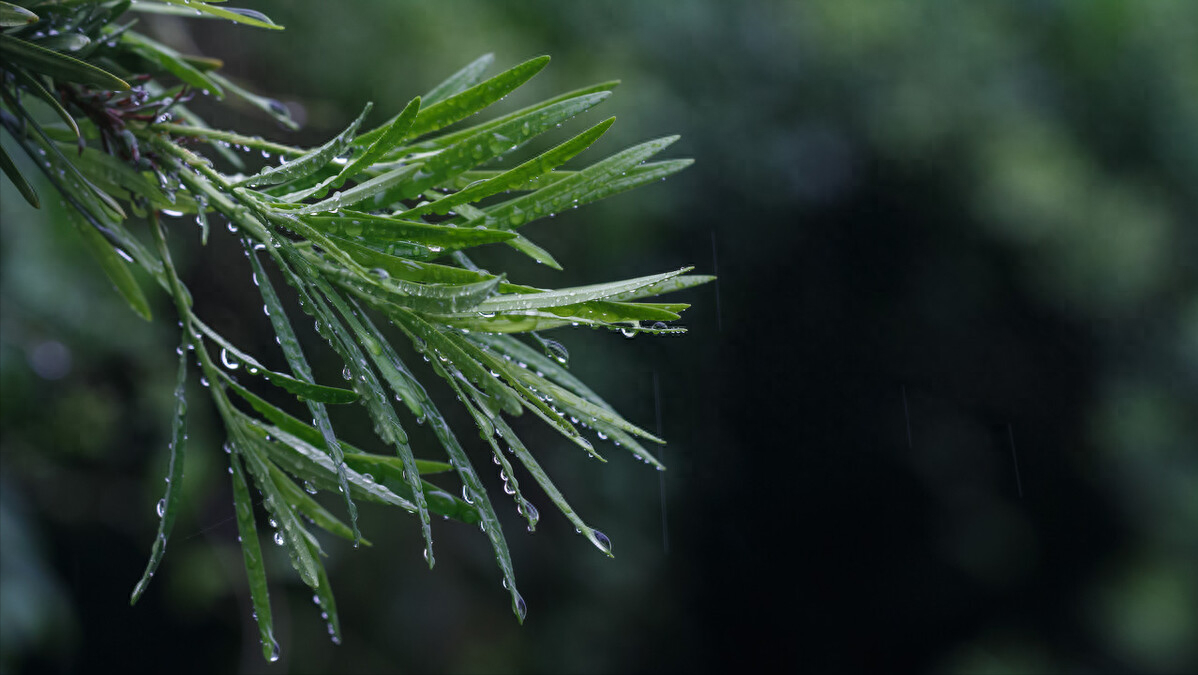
(938, 414)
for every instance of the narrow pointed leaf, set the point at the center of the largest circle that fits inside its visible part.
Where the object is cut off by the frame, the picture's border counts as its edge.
(290, 530)
(251, 554)
(56, 64)
(299, 366)
(468, 102)
(113, 265)
(461, 80)
(14, 174)
(571, 296)
(519, 176)
(486, 145)
(592, 183)
(309, 162)
(670, 285)
(382, 231)
(248, 17)
(31, 83)
(268, 105)
(372, 193)
(448, 139)
(170, 60)
(534, 468)
(12, 15)
(311, 508)
(393, 136)
(473, 487)
(302, 389)
(169, 506)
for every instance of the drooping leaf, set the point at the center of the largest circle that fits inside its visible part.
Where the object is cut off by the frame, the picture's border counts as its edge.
(168, 507)
(251, 554)
(303, 390)
(299, 366)
(113, 265)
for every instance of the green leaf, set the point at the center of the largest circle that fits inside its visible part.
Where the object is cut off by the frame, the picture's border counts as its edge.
(170, 60)
(467, 102)
(268, 105)
(393, 136)
(461, 80)
(389, 428)
(168, 508)
(374, 190)
(518, 378)
(14, 174)
(383, 231)
(428, 338)
(12, 15)
(472, 488)
(38, 90)
(678, 283)
(113, 265)
(486, 145)
(383, 290)
(299, 366)
(592, 183)
(290, 533)
(522, 353)
(303, 390)
(251, 554)
(311, 508)
(307, 462)
(519, 176)
(445, 140)
(310, 162)
(530, 463)
(570, 296)
(57, 65)
(197, 7)
(114, 176)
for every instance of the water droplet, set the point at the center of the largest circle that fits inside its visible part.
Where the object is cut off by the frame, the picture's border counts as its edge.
(228, 361)
(309, 488)
(274, 650)
(466, 495)
(161, 508)
(278, 538)
(521, 608)
(346, 374)
(601, 541)
(660, 325)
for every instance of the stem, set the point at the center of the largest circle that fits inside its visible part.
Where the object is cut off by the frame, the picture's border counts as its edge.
(254, 142)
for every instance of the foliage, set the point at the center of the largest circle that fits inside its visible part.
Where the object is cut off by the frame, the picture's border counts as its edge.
(370, 224)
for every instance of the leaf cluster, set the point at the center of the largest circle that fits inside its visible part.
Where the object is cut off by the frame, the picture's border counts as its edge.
(369, 229)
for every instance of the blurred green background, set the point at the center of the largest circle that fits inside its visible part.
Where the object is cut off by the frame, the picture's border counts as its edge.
(949, 236)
